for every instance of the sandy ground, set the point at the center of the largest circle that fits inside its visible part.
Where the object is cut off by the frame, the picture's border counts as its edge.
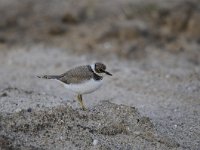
(153, 97)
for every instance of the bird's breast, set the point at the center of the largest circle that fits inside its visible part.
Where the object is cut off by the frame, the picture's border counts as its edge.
(86, 87)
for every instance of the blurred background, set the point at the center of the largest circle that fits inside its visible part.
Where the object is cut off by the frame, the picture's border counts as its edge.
(152, 47)
(125, 28)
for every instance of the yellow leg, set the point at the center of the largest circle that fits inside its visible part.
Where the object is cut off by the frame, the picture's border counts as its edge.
(81, 101)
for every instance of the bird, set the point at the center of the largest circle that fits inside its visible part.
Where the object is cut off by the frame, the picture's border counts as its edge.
(82, 80)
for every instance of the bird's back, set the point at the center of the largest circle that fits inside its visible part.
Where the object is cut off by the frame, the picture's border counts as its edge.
(77, 75)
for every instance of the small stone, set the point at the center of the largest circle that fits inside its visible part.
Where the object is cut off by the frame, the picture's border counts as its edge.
(137, 133)
(4, 94)
(29, 109)
(18, 110)
(95, 142)
(70, 18)
(61, 138)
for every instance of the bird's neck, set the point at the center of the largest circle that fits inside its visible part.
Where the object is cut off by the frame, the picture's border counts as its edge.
(96, 74)
(93, 69)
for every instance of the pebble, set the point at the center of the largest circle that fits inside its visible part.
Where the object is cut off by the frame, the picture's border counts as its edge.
(29, 109)
(4, 94)
(18, 110)
(95, 142)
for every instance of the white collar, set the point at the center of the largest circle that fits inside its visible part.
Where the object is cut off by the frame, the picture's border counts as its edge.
(93, 68)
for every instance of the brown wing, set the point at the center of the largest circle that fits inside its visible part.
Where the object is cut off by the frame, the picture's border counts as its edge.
(77, 75)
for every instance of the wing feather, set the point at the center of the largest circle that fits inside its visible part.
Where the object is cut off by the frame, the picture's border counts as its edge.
(77, 75)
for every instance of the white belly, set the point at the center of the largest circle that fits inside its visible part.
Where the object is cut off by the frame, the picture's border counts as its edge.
(85, 87)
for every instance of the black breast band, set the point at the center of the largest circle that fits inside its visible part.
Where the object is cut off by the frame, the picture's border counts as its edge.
(95, 76)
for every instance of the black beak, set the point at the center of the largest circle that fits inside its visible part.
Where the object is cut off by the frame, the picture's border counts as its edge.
(108, 73)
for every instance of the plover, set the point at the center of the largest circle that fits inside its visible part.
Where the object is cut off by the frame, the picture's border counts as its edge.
(82, 79)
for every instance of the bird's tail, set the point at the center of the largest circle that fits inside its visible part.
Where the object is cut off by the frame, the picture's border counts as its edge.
(49, 77)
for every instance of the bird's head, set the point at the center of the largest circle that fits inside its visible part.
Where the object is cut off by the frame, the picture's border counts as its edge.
(100, 68)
